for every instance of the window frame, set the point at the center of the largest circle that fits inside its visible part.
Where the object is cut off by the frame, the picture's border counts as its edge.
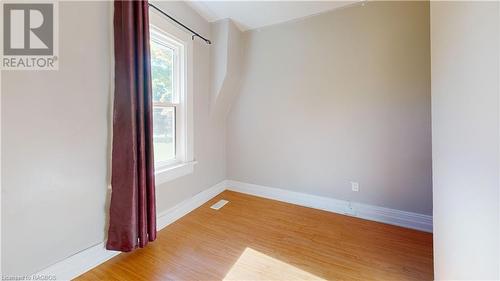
(177, 89)
(166, 33)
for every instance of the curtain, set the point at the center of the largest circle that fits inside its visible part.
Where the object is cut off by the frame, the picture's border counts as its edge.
(132, 221)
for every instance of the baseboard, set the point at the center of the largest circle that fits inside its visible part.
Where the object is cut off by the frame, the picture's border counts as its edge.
(87, 259)
(171, 215)
(78, 263)
(364, 211)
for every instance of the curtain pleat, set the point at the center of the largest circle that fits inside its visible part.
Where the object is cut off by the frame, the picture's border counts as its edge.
(132, 221)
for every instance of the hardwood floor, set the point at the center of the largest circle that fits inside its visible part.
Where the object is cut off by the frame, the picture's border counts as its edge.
(252, 238)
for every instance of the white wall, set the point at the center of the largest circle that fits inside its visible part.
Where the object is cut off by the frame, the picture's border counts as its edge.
(55, 142)
(209, 136)
(339, 97)
(465, 129)
(226, 65)
(218, 57)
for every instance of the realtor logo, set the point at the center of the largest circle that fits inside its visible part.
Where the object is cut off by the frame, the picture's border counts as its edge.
(28, 29)
(29, 36)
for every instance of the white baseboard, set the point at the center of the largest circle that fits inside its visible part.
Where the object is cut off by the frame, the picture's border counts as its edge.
(169, 216)
(364, 211)
(78, 263)
(87, 259)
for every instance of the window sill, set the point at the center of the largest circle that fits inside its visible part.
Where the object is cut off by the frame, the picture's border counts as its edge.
(169, 173)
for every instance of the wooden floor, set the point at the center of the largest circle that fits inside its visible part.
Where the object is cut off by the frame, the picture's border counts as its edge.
(252, 238)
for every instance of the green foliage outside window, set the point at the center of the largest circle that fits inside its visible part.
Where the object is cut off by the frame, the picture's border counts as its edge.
(161, 68)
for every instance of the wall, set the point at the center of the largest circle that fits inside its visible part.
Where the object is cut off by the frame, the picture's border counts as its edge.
(218, 58)
(209, 136)
(55, 142)
(226, 65)
(465, 129)
(339, 97)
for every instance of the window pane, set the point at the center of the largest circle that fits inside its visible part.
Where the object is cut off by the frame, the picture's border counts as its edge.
(164, 133)
(162, 72)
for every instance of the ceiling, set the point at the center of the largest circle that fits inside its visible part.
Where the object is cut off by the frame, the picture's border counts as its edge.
(255, 14)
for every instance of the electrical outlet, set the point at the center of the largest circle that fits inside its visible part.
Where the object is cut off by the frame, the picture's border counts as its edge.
(354, 186)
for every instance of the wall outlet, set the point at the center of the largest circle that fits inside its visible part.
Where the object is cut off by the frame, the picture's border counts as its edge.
(354, 186)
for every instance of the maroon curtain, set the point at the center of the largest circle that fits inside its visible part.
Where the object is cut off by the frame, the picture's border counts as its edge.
(132, 212)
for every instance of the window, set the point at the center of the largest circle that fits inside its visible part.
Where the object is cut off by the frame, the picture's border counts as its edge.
(172, 109)
(165, 70)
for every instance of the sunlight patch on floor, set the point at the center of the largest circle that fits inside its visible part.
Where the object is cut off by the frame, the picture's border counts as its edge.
(254, 265)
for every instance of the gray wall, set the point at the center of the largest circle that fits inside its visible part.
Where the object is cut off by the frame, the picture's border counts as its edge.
(465, 129)
(55, 136)
(226, 65)
(343, 96)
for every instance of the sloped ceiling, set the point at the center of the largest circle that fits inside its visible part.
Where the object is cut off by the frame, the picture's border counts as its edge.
(256, 14)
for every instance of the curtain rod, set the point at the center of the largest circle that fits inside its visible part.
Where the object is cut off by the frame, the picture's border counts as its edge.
(195, 34)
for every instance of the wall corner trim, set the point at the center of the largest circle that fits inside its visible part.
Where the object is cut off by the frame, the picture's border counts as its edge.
(369, 212)
(89, 258)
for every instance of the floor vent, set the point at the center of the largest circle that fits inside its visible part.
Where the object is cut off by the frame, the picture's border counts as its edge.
(219, 204)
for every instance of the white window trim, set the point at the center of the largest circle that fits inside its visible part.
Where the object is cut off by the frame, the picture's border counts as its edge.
(171, 172)
(184, 163)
